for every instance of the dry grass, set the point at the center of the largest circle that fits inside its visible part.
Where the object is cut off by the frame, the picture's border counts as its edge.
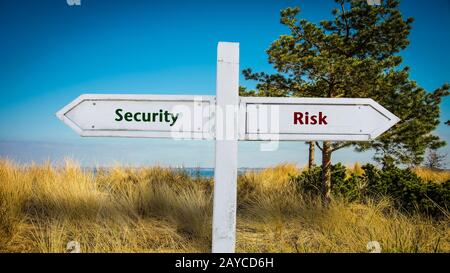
(159, 210)
(356, 169)
(437, 176)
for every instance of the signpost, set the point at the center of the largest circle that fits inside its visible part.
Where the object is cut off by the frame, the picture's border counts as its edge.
(226, 118)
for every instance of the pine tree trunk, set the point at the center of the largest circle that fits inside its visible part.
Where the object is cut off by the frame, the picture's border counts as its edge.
(311, 162)
(326, 172)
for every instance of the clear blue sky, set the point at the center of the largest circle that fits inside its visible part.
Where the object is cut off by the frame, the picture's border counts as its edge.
(51, 52)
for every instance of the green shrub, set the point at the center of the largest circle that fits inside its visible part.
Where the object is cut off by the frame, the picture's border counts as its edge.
(309, 182)
(408, 191)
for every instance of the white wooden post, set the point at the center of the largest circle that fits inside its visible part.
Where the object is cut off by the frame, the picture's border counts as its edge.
(225, 173)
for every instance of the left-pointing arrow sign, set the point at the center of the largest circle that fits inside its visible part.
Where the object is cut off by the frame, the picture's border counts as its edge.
(151, 116)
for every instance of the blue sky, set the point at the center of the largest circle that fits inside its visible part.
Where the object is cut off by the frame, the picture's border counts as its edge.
(51, 52)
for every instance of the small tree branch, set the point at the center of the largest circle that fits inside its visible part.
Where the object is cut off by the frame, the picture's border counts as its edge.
(347, 29)
(318, 146)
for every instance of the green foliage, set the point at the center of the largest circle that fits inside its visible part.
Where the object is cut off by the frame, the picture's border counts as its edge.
(309, 181)
(355, 54)
(408, 191)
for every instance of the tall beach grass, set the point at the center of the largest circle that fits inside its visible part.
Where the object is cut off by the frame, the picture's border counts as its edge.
(42, 207)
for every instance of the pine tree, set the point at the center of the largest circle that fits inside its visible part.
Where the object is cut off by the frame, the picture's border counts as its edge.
(355, 55)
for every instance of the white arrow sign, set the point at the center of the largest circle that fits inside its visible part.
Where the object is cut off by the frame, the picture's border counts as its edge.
(150, 116)
(227, 119)
(341, 119)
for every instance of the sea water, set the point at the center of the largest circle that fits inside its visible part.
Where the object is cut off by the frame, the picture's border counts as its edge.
(194, 172)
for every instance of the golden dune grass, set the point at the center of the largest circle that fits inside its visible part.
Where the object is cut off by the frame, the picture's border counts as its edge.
(426, 174)
(355, 169)
(158, 210)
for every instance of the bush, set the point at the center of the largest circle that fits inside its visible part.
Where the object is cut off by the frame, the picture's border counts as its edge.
(408, 191)
(309, 181)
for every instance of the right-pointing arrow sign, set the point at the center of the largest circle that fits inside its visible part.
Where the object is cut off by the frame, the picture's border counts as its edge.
(340, 119)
